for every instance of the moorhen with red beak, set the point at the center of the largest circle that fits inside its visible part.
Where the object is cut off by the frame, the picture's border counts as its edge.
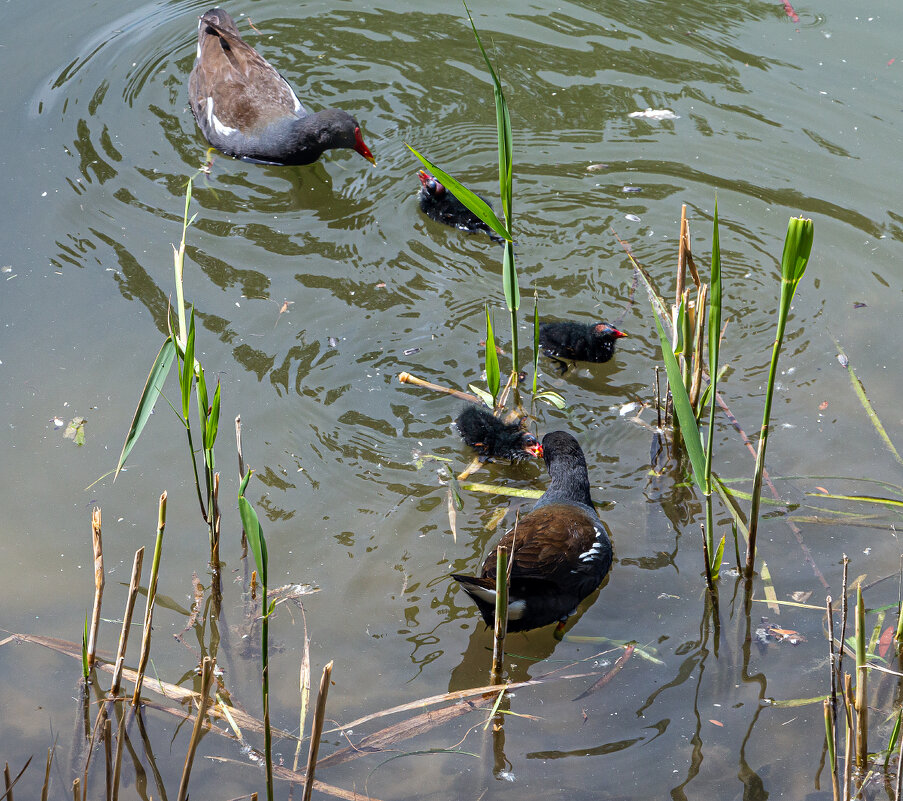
(442, 206)
(493, 439)
(246, 109)
(562, 550)
(578, 342)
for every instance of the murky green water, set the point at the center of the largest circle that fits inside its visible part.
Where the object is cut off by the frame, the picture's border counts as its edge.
(776, 117)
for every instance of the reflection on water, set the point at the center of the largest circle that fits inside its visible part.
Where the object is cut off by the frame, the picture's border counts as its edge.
(314, 287)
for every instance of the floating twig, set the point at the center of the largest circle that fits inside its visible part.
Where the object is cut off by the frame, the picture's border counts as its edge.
(407, 378)
(619, 663)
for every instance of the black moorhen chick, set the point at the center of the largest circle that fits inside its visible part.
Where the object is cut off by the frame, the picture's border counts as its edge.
(442, 206)
(493, 439)
(562, 550)
(246, 109)
(579, 342)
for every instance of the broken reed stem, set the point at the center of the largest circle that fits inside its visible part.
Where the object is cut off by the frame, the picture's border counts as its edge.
(76, 792)
(206, 681)
(832, 659)
(407, 378)
(682, 249)
(8, 795)
(848, 748)
(501, 615)
(151, 596)
(98, 584)
(862, 710)
(108, 757)
(127, 620)
(316, 731)
(699, 340)
(304, 687)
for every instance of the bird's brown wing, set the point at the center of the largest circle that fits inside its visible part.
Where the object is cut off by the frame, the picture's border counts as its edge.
(554, 543)
(246, 90)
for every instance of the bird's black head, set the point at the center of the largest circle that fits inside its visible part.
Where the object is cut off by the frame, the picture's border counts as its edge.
(560, 445)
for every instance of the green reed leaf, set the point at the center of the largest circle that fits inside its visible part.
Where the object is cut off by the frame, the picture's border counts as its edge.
(149, 395)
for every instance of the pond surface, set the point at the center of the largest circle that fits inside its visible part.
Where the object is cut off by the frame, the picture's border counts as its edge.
(314, 287)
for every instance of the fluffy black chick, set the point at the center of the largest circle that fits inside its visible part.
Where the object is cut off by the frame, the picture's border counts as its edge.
(568, 340)
(493, 439)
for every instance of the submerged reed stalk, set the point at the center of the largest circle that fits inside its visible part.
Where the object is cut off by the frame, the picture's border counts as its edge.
(501, 615)
(206, 681)
(108, 757)
(151, 596)
(99, 580)
(316, 731)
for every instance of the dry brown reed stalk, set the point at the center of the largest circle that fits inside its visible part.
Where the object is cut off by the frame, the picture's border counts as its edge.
(151, 597)
(127, 620)
(407, 378)
(76, 792)
(206, 681)
(108, 757)
(7, 781)
(832, 659)
(98, 584)
(843, 616)
(501, 612)
(316, 730)
(699, 337)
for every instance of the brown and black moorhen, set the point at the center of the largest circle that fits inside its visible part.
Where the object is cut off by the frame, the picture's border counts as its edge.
(493, 439)
(442, 206)
(562, 550)
(246, 109)
(578, 342)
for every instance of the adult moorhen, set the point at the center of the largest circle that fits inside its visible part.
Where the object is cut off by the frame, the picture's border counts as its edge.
(581, 342)
(562, 550)
(442, 206)
(246, 109)
(493, 439)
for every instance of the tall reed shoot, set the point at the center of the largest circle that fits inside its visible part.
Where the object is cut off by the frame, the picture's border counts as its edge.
(180, 346)
(797, 248)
